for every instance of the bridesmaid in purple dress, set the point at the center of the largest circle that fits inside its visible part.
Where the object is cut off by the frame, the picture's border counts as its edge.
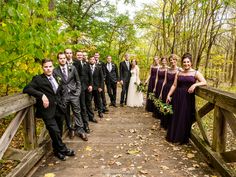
(159, 83)
(168, 81)
(183, 101)
(151, 83)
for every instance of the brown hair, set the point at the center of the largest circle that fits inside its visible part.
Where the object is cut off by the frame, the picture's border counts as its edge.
(164, 57)
(60, 53)
(186, 55)
(45, 60)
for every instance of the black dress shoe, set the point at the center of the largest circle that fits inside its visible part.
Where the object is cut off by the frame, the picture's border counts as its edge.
(87, 130)
(114, 105)
(71, 134)
(60, 156)
(69, 152)
(100, 115)
(83, 136)
(121, 105)
(94, 120)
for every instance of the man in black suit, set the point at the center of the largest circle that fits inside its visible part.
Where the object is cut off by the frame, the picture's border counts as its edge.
(86, 80)
(50, 106)
(124, 79)
(103, 97)
(111, 80)
(98, 84)
(70, 80)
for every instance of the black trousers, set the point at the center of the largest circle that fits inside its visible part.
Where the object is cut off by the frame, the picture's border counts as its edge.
(103, 97)
(123, 98)
(97, 99)
(54, 126)
(111, 90)
(86, 107)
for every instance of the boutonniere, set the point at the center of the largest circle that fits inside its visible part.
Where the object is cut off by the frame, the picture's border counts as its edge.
(58, 78)
(69, 68)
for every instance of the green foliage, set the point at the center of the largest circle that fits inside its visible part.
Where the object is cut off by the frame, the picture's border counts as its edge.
(28, 33)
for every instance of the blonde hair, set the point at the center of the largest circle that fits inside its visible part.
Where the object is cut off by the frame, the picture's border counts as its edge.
(174, 57)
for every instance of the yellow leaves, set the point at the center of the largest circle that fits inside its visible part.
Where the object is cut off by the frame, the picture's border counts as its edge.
(190, 155)
(133, 152)
(88, 148)
(49, 175)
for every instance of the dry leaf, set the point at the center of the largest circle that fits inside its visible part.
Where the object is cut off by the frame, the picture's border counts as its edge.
(143, 171)
(49, 175)
(132, 130)
(88, 148)
(117, 156)
(196, 166)
(118, 163)
(191, 169)
(164, 167)
(50, 164)
(133, 152)
(176, 148)
(190, 155)
(111, 162)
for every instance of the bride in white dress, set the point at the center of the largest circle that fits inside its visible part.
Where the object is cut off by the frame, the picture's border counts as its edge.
(134, 98)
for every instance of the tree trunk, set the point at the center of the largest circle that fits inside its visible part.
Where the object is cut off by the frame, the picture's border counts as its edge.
(233, 81)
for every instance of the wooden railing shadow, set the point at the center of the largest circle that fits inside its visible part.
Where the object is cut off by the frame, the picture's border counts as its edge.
(224, 106)
(223, 103)
(22, 106)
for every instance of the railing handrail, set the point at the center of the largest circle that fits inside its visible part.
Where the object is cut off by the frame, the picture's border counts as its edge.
(14, 103)
(223, 99)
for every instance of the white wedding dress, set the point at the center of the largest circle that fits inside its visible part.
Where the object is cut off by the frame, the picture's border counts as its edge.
(134, 98)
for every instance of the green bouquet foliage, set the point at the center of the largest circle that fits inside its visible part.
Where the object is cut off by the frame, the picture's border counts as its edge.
(140, 87)
(164, 108)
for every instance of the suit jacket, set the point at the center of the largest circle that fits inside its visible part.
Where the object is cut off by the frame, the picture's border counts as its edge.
(97, 77)
(111, 76)
(72, 84)
(124, 72)
(85, 74)
(102, 65)
(41, 85)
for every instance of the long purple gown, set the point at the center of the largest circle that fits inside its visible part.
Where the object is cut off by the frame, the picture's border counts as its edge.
(161, 77)
(149, 103)
(184, 111)
(165, 119)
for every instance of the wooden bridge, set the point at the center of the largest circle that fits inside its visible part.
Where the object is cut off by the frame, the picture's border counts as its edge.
(126, 142)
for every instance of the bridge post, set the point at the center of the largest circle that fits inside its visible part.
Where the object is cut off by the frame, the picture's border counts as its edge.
(29, 126)
(219, 131)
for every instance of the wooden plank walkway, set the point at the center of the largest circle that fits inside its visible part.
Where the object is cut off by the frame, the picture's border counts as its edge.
(127, 142)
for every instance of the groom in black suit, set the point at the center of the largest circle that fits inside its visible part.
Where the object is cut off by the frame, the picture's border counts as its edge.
(50, 106)
(70, 80)
(124, 78)
(111, 80)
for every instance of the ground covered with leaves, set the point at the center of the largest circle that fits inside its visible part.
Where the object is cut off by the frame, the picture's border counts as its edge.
(127, 142)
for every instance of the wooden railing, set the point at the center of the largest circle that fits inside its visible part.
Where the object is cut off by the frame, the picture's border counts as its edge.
(22, 107)
(224, 106)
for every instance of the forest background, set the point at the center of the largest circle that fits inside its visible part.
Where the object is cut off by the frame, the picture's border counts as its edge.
(31, 30)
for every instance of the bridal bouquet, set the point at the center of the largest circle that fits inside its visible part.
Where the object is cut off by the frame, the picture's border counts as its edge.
(164, 108)
(140, 87)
